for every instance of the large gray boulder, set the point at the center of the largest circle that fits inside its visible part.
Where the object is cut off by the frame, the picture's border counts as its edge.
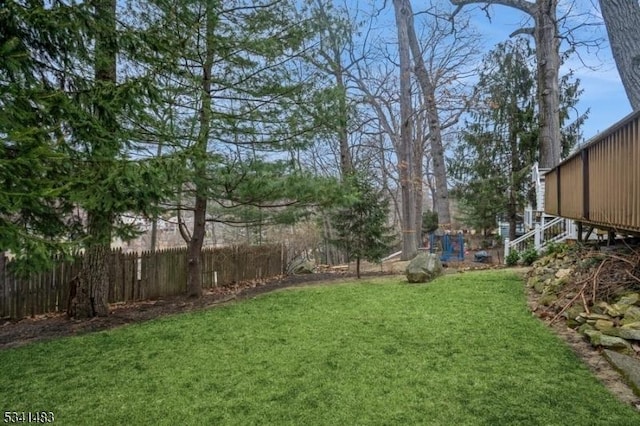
(424, 267)
(300, 267)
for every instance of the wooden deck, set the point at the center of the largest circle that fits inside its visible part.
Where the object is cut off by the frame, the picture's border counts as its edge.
(599, 185)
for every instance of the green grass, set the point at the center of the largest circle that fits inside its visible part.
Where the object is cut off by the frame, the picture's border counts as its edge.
(461, 350)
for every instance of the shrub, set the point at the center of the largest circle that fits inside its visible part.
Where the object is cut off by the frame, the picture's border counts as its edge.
(556, 248)
(529, 256)
(513, 257)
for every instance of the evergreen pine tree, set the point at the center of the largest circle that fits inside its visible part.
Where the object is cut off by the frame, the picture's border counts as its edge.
(361, 224)
(500, 145)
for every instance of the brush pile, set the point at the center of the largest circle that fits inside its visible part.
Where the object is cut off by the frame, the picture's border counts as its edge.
(595, 290)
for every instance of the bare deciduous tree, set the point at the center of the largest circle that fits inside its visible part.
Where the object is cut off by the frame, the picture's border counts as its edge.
(406, 148)
(436, 68)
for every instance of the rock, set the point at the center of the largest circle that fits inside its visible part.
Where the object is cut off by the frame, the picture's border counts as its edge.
(595, 317)
(603, 325)
(301, 267)
(595, 309)
(597, 338)
(623, 333)
(630, 299)
(624, 304)
(613, 311)
(632, 325)
(620, 308)
(591, 333)
(627, 366)
(538, 285)
(532, 280)
(424, 267)
(585, 329)
(629, 333)
(579, 319)
(631, 315)
(554, 285)
(574, 312)
(563, 273)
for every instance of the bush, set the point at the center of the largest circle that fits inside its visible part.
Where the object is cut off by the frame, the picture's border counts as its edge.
(553, 248)
(529, 256)
(513, 258)
(429, 221)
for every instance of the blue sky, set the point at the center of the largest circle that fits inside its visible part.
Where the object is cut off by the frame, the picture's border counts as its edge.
(603, 91)
(603, 94)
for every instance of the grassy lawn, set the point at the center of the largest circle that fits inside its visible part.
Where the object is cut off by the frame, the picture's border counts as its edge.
(461, 350)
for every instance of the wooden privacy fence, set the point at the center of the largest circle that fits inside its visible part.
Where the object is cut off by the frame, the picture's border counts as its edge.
(600, 183)
(136, 276)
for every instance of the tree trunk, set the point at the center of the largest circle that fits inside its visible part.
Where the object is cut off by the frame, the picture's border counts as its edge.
(441, 201)
(194, 249)
(405, 153)
(419, 194)
(548, 66)
(199, 159)
(91, 292)
(545, 33)
(358, 267)
(346, 164)
(94, 283)
(622, 19)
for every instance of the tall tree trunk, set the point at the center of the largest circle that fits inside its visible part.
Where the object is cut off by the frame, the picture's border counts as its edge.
(419, 194)
(91, 293)
(545, 33)
(622, 19)
(548, 65)
(346, 163)
(441, 202)
(419, 173)
(405, 153)
(199, 159)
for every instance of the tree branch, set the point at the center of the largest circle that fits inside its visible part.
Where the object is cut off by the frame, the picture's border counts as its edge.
(524, 6)
(527, 31)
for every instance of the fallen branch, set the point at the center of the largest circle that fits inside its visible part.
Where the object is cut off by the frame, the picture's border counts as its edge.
(581, 292)
(595, 282)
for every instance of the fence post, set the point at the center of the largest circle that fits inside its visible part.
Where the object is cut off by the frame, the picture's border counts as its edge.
(537, 238)
(506, 249)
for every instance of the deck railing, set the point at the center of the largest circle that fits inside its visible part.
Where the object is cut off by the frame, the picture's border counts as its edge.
(599, 185)
(556, 230)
